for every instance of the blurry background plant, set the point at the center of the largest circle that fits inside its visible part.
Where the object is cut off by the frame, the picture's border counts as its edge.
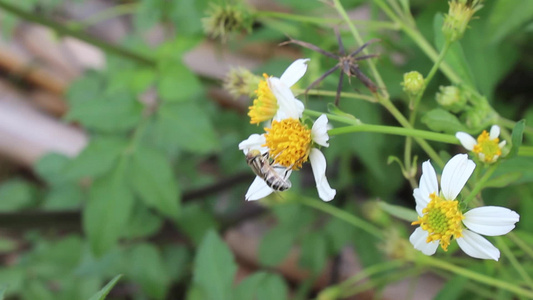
(119, 148)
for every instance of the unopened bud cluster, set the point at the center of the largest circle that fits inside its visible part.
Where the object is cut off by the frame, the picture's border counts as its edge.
(459, 15)
(223, 19)
(241, 82)
(413, 84)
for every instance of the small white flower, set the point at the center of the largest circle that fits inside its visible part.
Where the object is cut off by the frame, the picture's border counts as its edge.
(441, 220)
(487, 146)
(318, 135)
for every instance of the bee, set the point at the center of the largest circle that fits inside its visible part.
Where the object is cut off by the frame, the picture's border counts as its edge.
(263, 167)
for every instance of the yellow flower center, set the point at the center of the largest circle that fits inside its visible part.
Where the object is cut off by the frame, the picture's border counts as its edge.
(442, 220)
(487, 147)
(265, 105)
(289, 142)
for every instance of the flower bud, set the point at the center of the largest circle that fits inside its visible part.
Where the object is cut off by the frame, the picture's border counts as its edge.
(223, 19)
(413, 83)
(241, 82)
(478, 117)
(456, 21)
(451, 98)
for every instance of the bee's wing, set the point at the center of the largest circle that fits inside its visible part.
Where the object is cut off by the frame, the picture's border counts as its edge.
(282, 171)
(258, 189)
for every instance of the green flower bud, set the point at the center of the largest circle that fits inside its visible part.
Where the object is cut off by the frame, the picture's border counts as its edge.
(458, 17)
(241, 82)
(479, 117)
(413, 83)
(451, 98)
(224, 19)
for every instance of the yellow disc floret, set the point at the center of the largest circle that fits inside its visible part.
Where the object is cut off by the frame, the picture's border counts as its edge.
(487, 150)
(442, 220)
(265, 105)
(289, 142)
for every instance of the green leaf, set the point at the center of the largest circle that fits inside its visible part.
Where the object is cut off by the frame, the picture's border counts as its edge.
(177, 83)
(338, 234)
(101, 295)
(441, 120)
(313, 252)
(85, 89)
(185, 126)
(518, 164)
(148, 13)
(17, 194)
(214, 268)
(148, 269)
(262, 285)
(3, 289)
(453, 289)
(63, 197)
(399, 212)
(455, 56)
(275, 245)
(50, 167)
(187, 15)
(96, 159)
(117, 112)
(177, 261)
(507, 17)
(143, 223)
(517, 137)
(152, 179)
(108, 211)
(195, 222)
(503, 180)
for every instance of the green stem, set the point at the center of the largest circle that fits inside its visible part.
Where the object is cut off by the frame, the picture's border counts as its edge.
(371, 271)
(510, 124)
(112, 12)
(430, 261)
(64, 30)
(427, 135)
(518, 267)
(525, 151)
(334, 93)
(322, 21)
(521, 244)
(342, 215)
(480, 184)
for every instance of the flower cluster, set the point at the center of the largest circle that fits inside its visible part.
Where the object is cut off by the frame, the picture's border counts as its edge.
(287, 142)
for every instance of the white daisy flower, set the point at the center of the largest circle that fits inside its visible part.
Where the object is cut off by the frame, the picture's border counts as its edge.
(487, 146)
(441, 219)
(275, 99)
(290, 144)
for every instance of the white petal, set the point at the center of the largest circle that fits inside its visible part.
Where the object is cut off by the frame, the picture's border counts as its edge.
(258, 189)
(294, 72)
(494, 132)
(319, 131)
(254, 142)
(455, 174)
(288, 107)
(421, 201)
(419, 238)
(318, 164)
(428, 181)
(466, 140)
(502, 144)
(491, 220)
(477, 246)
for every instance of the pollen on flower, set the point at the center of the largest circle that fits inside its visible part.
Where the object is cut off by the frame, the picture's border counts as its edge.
(289, 142)
(487, 150)
(442, 220)
(265, 105)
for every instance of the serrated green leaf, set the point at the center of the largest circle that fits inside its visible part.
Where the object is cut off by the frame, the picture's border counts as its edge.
(399, 212)
(187, 15)
(108, 211)
(261, 285)
(143, 223)
(153, 180)
(118, 112)
(517, 137)
(455, 56)
(177, 83)
(63, 197)
(275, 245)
(96, 159)
(17, 194)
(85, 89)
(101, 295)
(214, 268)
(147, 268)
(173, 128)
(441, 120)
(196, 221)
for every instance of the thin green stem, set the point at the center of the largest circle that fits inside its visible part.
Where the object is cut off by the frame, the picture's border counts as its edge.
(323, 21)
(334, 93)
(437, 63)
(480, 184)
(112, 12)
(510, 124)
(371, 271)
(518, 267)
(431, 261)
(342, 215)
(427, 135)
(521, 244)
(64, 30)
(371, 284)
